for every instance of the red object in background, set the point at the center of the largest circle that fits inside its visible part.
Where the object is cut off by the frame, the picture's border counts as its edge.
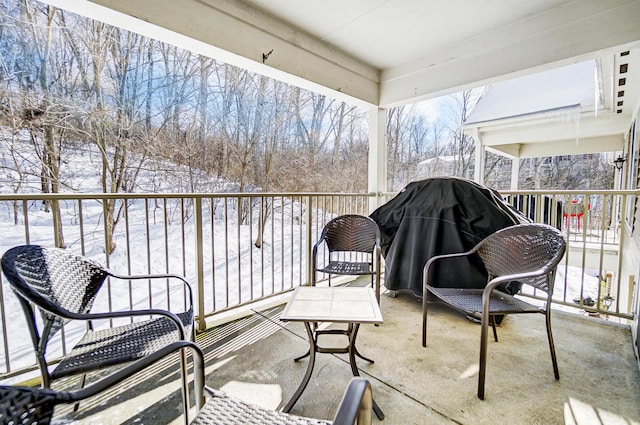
(576, 209)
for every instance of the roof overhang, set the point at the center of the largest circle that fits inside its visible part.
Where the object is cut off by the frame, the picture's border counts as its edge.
(570, 133)
(583, 108)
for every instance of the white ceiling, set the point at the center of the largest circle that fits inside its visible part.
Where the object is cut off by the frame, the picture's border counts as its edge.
(389, 33)
(389, 52)
(426, 48)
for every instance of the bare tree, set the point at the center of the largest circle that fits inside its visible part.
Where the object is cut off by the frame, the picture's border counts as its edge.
(110, 120)
(396, 118)
(462, 145)
(408, 144)
(39, 109)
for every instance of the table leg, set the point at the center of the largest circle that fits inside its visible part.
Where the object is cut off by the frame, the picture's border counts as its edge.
(307, 375)
(348, 333)
(357, 353)
(297, 359)
(354, 367)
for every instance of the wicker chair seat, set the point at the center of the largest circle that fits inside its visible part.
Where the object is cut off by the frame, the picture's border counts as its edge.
(121, 344)
(224, 410)
(470, 301)
(343, 267)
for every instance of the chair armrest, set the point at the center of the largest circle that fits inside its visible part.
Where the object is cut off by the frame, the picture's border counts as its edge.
(314, 260)
(427, 266)
(62, 312)
(377, 264)
(116, 314)
(147, 312)
(316, 245)
(520, 277)
(356, 404)
(377, 253)
(184, 281)
(491, 285)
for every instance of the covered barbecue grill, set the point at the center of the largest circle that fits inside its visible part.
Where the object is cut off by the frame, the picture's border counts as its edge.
(439, 216)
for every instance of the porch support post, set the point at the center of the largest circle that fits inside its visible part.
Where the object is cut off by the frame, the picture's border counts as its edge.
(377, 155)
(515, 172)
(478, 173)
(198, 221)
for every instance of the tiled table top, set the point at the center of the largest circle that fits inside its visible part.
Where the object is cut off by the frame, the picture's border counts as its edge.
(339, 304)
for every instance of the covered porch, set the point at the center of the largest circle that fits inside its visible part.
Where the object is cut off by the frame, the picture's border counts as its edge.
(416, 57)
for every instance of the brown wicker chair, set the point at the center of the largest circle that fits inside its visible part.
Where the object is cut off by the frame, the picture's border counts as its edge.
(62, 286)
(22, 405)
(221, 409)
(353, 245)
(524, 253)
(26, 405)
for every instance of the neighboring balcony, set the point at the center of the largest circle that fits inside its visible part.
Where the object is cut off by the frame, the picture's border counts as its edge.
(243, 271)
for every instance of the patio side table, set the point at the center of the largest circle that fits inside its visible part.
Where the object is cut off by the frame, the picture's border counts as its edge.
(336, 304)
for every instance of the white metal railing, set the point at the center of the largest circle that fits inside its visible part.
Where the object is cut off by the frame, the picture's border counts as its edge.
(237, 248)
(593, 222)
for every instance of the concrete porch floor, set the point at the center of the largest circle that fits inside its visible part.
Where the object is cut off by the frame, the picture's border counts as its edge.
(599, 377)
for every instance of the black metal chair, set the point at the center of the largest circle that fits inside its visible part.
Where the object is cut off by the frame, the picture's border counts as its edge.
(353, 245)
(526, 253)
(63, 286)
(25, 406)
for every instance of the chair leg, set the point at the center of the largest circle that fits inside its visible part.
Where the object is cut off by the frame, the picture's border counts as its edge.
(492, 319)
(377, 285)
(185, 385)
(580, 220)
(424, 318)
(376, 288)
(83, 381)
(552, 348)
(484, 333)
(198, 378)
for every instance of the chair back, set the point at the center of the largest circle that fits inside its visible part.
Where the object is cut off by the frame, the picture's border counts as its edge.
(524, 248)
(25, 406)
(351, 233)
(53, 279)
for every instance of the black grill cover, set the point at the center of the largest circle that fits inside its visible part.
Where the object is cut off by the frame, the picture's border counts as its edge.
(439, 216)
